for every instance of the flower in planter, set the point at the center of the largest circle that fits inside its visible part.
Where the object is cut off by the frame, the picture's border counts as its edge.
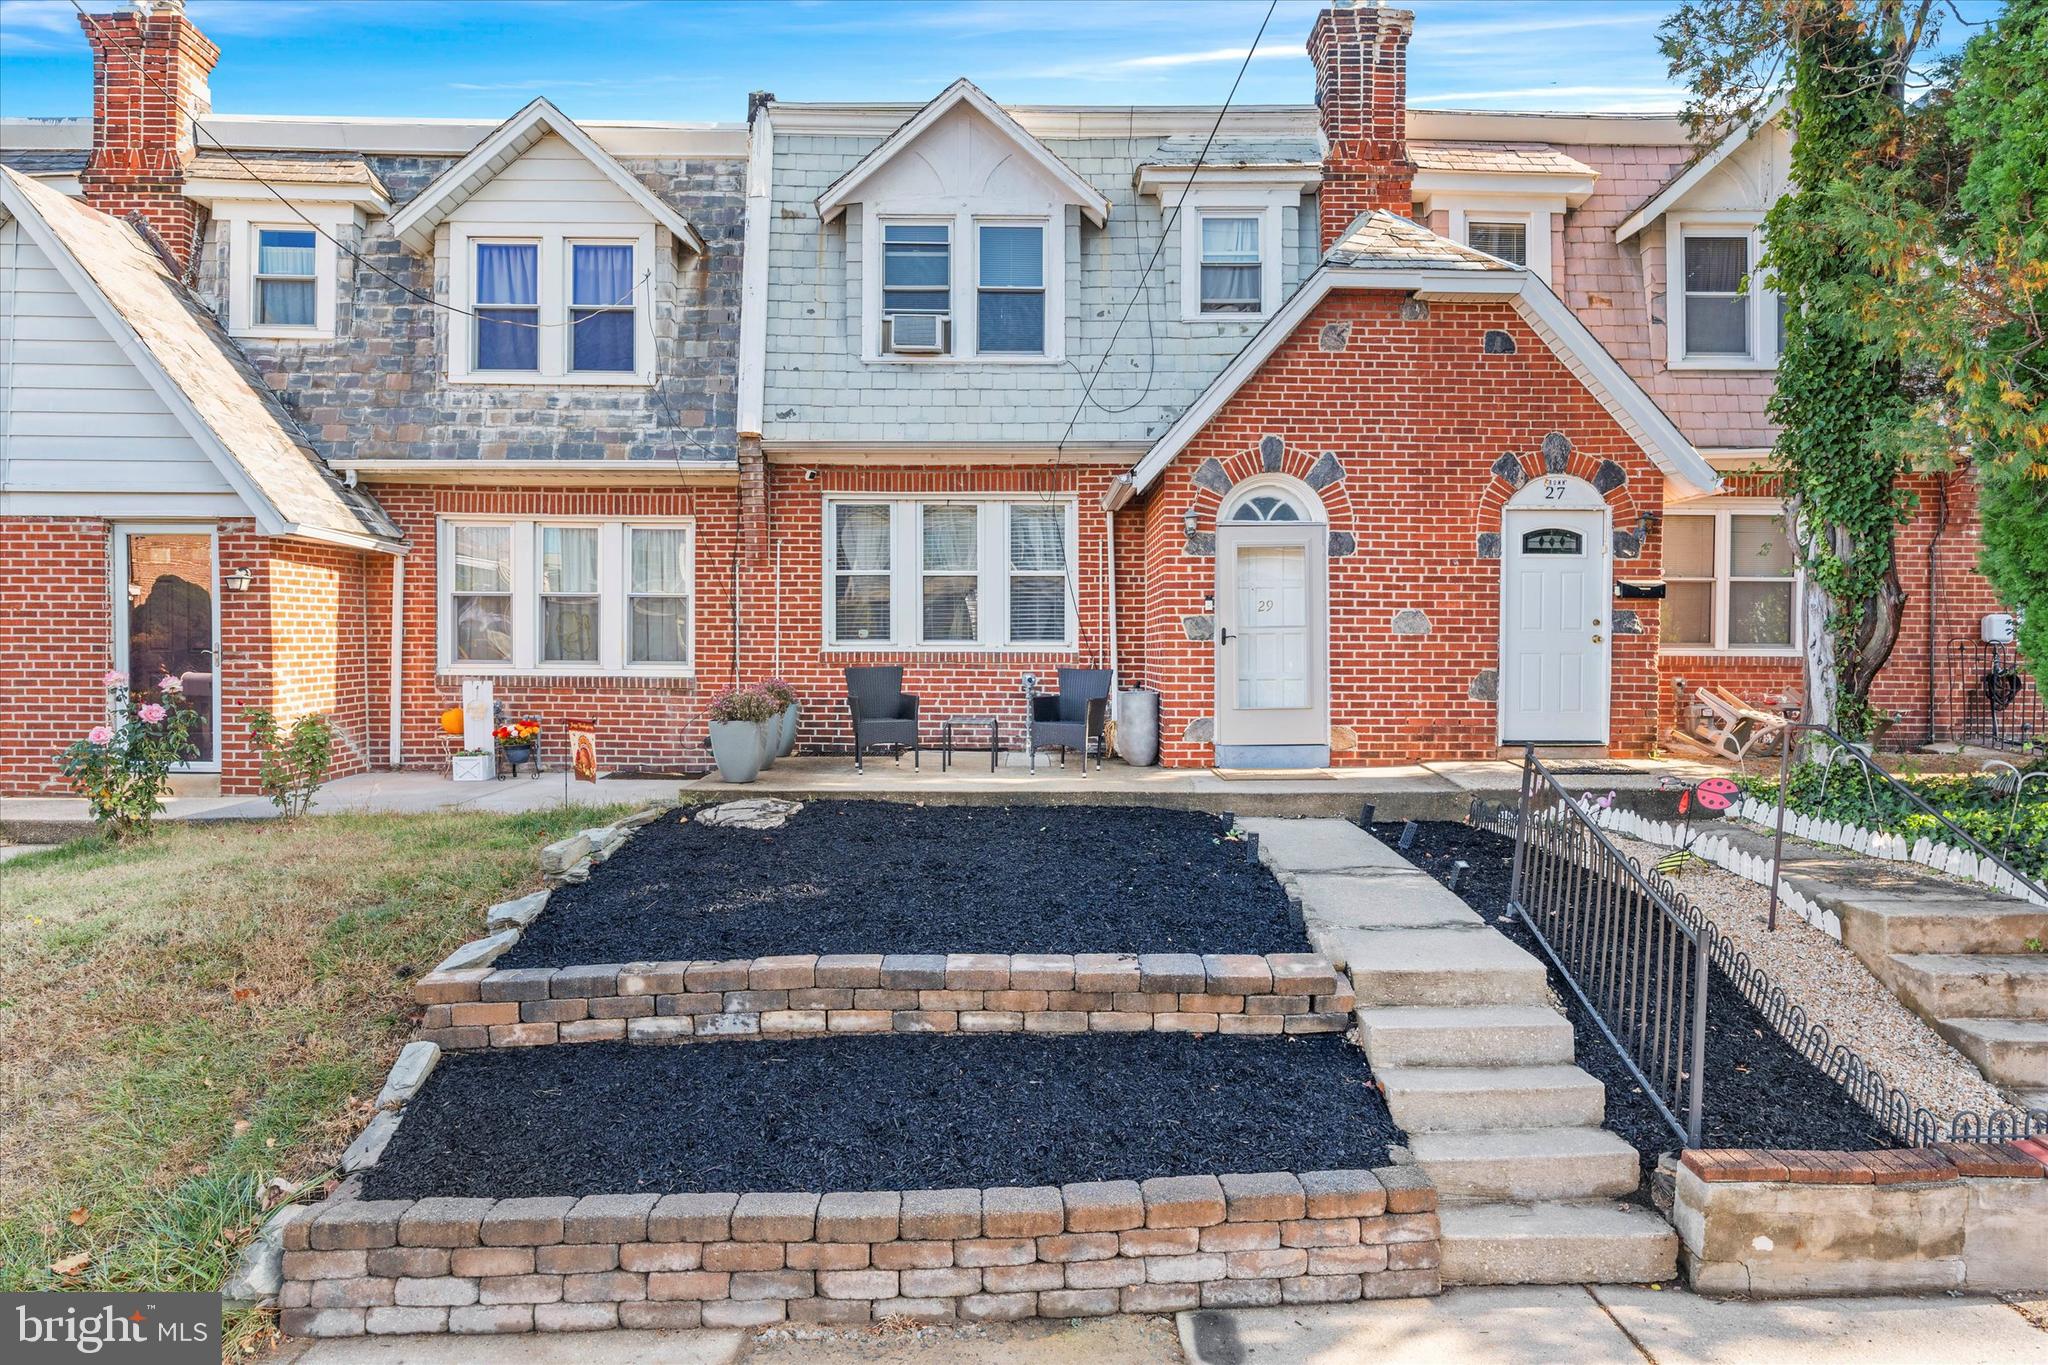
(743, 703)
(782, 692)
(519, 734)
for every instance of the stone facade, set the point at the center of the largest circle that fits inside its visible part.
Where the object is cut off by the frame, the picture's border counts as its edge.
(567, 1264)
(809, 995)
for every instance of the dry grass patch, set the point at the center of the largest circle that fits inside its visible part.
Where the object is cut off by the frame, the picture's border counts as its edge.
(186, 1020)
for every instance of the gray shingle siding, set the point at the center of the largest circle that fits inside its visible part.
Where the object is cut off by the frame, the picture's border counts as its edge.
(379, 389)
(818, 387)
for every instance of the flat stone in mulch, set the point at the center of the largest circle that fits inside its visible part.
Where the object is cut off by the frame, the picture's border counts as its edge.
(1760, 1091)
(889, 877)
(895, 1113)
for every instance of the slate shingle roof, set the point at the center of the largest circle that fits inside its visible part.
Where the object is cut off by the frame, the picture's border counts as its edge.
(286, 170)
(1510, 158)
(33, 162)
(1182, 151)
(1385, 241)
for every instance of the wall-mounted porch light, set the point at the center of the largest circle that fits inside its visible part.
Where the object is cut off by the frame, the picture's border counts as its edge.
(1190, 522)
(238, 580)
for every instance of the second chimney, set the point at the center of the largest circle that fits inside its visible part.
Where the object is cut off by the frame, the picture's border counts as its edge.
(1360, 53)
(149, 70)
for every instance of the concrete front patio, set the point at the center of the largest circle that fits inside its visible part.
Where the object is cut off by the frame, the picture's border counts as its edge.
(1424, 791)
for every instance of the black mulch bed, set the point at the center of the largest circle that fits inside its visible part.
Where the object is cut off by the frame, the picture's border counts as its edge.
(1760, 1091)
(887, 877)
(906, 1112)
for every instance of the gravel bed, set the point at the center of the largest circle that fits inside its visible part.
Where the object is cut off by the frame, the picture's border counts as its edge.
(1759, 1092)
(1836, 990)
(889, 877)
(898, 1113)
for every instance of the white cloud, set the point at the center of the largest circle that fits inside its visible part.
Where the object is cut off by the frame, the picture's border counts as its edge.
(1632, 97)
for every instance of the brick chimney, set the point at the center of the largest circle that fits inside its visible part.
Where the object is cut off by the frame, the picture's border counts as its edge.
(149, 70)
(1360, 52)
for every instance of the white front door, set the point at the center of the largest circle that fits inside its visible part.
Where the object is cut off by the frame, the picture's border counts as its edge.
(1272, 691)
(1555, 627)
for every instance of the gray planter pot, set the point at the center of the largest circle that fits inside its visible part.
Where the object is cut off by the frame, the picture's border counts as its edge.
(770, 730)
(785, 743)
(1137, 726)
(736, 745)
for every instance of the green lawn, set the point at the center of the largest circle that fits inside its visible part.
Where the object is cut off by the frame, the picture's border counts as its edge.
(190, 1019)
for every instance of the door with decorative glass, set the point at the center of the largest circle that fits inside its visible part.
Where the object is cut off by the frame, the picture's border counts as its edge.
(1271, 637)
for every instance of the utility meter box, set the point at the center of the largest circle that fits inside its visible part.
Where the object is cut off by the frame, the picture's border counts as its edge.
(1997, 629)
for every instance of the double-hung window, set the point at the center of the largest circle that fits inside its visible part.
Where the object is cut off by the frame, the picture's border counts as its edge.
(1010, 302)
(601, 303)
(1732, 581)
(287, 277)
(480, 593)
(506, 295)
(1724, 311)
(1232, 270)
(1509, 241)
(1716, 297)
(917, 268)
(977, 573)
(539, 597)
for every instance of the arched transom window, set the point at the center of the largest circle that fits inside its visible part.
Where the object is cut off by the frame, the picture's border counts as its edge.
(1267, 507)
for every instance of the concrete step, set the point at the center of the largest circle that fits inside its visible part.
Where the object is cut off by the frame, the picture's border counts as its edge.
(1444, 966)
(1307, 846)
(1524, 1164)
(1473, 1035)
(1471, 1099)
(1874, 926)
(2010, 1052)
(1973, 985)
(1556, 1243)
(1335, 901)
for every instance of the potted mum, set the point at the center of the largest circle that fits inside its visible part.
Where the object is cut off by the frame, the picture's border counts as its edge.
(785, 721)
(739, 719)
(517, 742)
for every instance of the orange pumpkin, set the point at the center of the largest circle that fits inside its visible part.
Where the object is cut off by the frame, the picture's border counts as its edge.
(451, 720)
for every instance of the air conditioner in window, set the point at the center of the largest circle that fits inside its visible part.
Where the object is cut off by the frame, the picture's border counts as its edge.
(917, 333)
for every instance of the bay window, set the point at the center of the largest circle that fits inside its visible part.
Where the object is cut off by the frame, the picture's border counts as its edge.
(1732, 581)
(976, 573)
(569, 596)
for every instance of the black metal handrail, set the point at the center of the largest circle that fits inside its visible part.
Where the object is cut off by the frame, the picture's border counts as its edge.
(1870, 770)
(1906, 1120)
(1636, 962)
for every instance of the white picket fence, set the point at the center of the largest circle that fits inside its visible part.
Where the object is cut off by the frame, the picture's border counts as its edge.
(1755, 867)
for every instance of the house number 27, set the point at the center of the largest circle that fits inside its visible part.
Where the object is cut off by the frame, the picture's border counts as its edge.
(1554, 490)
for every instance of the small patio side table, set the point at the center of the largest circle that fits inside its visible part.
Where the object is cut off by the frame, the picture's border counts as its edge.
(946, 745)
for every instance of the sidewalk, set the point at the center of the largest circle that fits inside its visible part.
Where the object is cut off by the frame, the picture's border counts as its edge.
(1568, 1325)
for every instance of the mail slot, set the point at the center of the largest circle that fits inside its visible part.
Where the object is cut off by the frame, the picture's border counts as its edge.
(1639, 589)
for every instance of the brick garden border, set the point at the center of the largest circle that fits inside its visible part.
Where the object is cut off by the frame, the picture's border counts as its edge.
(791, 996)
(739, 1260)
(1949, 1216)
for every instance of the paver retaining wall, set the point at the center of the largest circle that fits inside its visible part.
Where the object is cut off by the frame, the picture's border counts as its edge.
(1769, 1224)
(688, 1260)
(792, 996)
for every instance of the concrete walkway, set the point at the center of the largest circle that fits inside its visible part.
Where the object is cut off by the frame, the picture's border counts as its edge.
(1533, 1325)
(1433, 791)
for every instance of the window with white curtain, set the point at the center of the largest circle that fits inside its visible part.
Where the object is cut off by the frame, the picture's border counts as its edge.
(287, 277)
(1231, 269)
(1509, 241)
(979, 573)
(601, 300)
(506, 296)
(531, 596)
(1010, 302)
(1732, 581)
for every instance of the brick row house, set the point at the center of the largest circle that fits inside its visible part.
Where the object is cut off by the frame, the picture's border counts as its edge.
(1423, 431)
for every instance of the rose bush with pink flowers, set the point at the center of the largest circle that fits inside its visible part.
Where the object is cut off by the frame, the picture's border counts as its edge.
(123, 769)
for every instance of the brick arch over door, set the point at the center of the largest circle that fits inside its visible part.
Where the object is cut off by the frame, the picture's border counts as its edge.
(1319, 471)
(1514, 470)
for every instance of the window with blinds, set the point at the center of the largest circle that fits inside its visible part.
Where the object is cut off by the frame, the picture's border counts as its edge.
(1509, 241)
(977, 573)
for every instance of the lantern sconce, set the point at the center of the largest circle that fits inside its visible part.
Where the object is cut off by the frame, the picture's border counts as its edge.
(238, 580)
(1190, 521)
(1645, 522)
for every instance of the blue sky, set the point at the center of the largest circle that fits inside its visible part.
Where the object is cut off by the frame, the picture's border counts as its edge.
(697, 59)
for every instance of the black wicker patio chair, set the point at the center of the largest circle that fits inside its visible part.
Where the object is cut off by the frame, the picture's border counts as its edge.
(1074, 718)
(884, 715)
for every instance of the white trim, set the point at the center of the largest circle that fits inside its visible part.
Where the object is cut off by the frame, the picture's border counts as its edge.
(753, 362)
(248, 197)
(501, 473)
(555, 243)
(414, 224)
(1535, 216)
(614, 626)
(1204, 202)
(240, 222)
(906, 575)
(1720, 511)
(1619, 394)
(841, 192)
(1296, 178)
(1676, 191)
(963, 285)
(1568, 188)
(1761, 312)
(122, 606)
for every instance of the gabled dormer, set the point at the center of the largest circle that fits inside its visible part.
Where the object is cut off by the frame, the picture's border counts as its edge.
(553, 255)
(962, 244)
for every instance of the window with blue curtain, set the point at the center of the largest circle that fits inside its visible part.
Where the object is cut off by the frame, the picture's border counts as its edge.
(286, 276)
(917, 268)
(1010, 303)
(508, 306)
(601, 302)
